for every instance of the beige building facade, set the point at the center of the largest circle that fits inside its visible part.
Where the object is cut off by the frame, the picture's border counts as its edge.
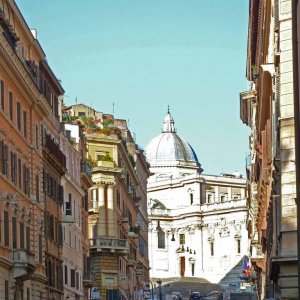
(119, 264)
(268, 109)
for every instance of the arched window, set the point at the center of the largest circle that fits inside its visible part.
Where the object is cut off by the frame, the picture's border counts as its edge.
(161, 242)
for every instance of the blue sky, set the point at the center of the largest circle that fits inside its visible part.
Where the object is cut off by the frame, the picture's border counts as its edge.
(142, 55)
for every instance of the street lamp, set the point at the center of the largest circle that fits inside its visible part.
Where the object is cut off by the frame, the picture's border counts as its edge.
(159, 282)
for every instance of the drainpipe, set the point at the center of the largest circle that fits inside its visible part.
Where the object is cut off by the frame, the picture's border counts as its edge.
(295, 8)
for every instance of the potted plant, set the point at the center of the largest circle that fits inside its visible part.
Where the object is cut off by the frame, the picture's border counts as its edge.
(255, 72)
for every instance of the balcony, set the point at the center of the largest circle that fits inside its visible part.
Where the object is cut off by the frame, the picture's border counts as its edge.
(86, 168)
(109, 245)
(105, 164)
(87, 280)
(8, 32)
(54, 152)
(33, 71)
(68, 219)
(23, 264)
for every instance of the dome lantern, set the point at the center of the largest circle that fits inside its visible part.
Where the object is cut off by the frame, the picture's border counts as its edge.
(168, 125)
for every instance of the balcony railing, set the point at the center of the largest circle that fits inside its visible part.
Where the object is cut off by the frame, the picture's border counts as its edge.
(87, 279)
(8, 32)
(86, 168)
(107, 244)
(248, 160)
(22, 256)
(68, 219)
(105, 163)
(55, 151)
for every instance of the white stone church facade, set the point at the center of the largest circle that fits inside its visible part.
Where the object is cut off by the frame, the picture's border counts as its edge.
(197, 222)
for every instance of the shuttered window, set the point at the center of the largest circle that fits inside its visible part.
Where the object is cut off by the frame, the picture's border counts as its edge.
(20, 173)
(6, 228)
(14, 232)
(40, 249)
(66, 274)
(25, 123)
(73, 278)
(4, 154)
(27, 230)
(2, 94)
(22, 233)
(10, 103)
(37, 188)
(19, 115)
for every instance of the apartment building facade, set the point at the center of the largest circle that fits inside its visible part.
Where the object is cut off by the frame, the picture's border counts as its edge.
(268, 109)
(76, 182)
(117, 205)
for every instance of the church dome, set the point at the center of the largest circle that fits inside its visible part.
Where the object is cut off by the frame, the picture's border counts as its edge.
(168, 148)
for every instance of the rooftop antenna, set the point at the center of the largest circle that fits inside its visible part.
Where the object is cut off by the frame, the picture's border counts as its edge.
(76, 100)
(113, 108)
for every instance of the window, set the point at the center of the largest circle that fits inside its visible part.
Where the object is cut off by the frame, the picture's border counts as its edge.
(40, 249)
(209, 198)
(191, 198)
(212, 248)
(6, 290)
(19, 116)
(66, 274)
(27, 230)
(69, 206)
(13, 167)
(20, 173)
(4, 154)
(161, 239)
(6, 228)
(10, 102)
(222, 198)
(181, 239)
(72, 277)
(14, 232)
(22, 235)
(2, 94)
(37, 137)
(25, 123)
(42, 136)
(193, 269)
(81, 113)
(26, 178)
(77, 280)
(37, 188)
(238, 244)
